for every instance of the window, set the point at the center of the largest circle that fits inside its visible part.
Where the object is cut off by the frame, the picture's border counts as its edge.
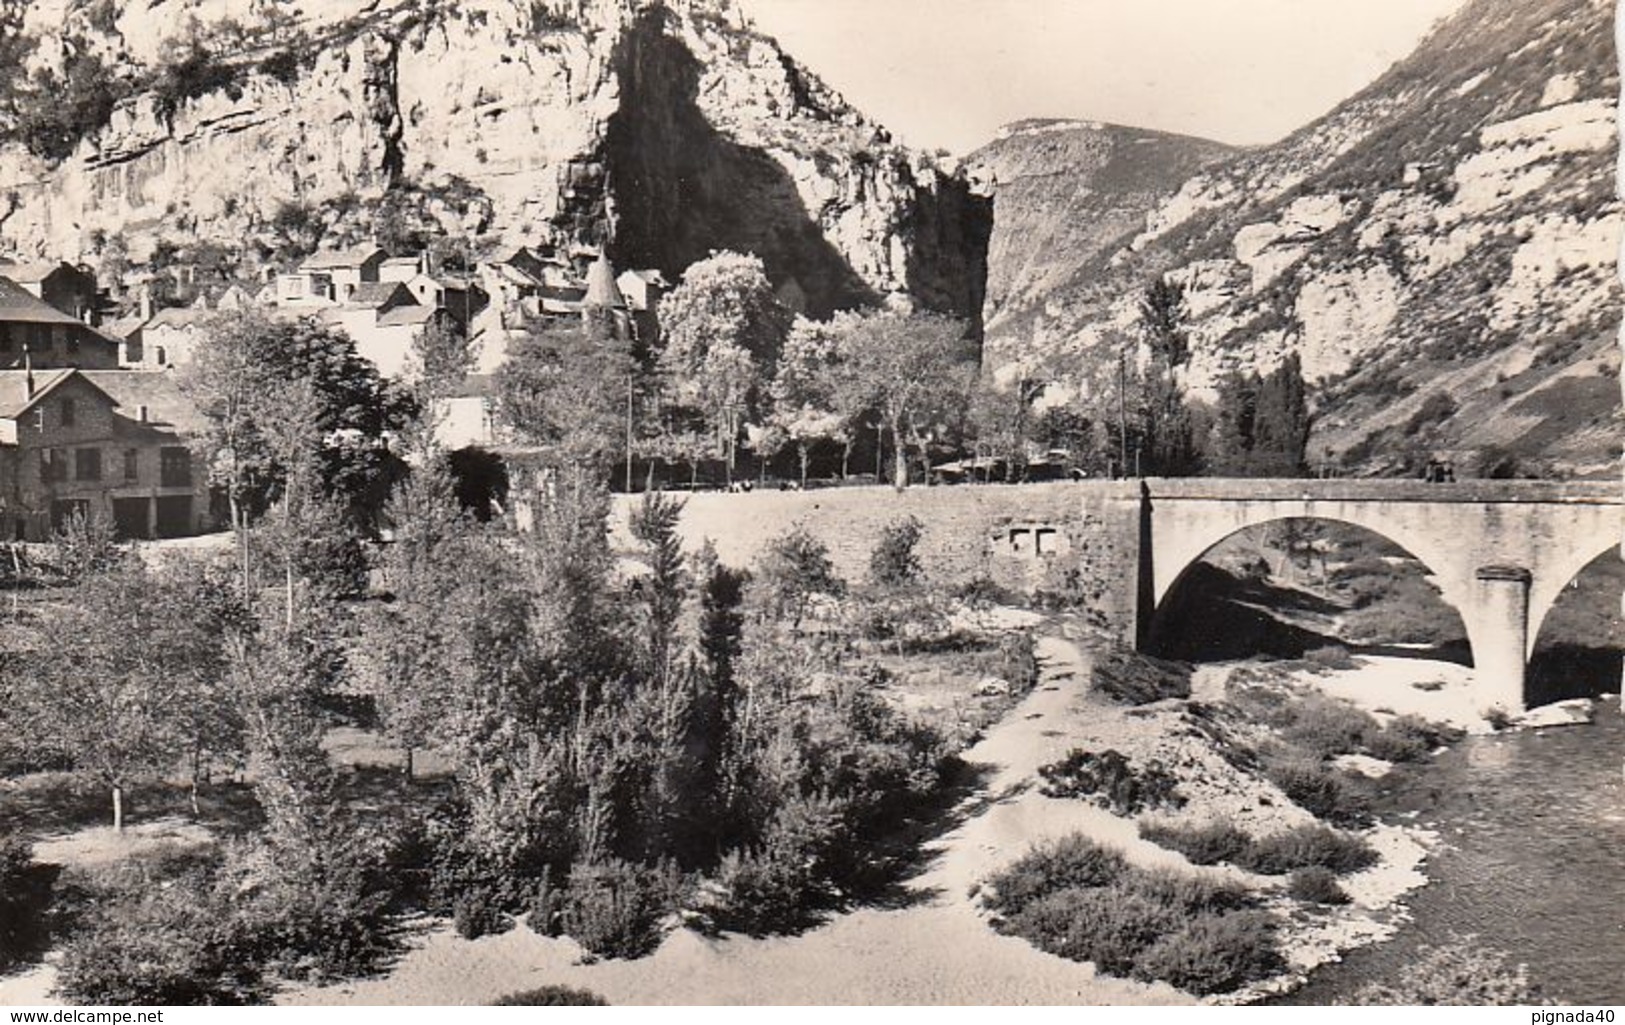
(175, 467)
(59, 337)
(73, 344)
(87, 464)
(5, 338)
(52, 467)
(132, 464)
(68, 413)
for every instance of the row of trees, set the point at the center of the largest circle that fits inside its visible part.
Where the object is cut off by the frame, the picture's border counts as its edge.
(736, 372)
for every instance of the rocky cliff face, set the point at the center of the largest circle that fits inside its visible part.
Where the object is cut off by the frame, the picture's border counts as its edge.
(1440, 249)
(662, 130)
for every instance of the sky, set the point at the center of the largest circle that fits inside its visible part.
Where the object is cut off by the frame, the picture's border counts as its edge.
(948, 73)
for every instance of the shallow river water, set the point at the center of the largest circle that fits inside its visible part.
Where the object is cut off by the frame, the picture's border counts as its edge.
(1531, 860)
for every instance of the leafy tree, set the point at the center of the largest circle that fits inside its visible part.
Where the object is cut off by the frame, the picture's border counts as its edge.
(893, 562)
(722, 330)
(912, 369)
(134, 691)
(1166, 428)
(1262, 424)
(567, 388)
(1163, 313)
(806, 387)
(290, 402)
(791, 570)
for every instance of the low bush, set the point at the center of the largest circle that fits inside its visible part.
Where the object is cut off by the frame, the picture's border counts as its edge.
(1332, 656)
(1072, 861)
(478, 912)
(1206, 844)
(179, 943)
(1112, 782)
(1306, 846)
(1076, 899)
(1322, 792)
(1326, 727)
(1316, 884)
(982, 592)
(1109, 925)
(1409, 738)
(784, 881)
(1213, 954)
(616, 908)
(25, 895)
(1460, 973)
(1190, 893)
(1019, 653)
(1134, 679)
(551, 996)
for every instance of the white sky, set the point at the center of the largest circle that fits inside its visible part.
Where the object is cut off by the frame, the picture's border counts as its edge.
(949, 72)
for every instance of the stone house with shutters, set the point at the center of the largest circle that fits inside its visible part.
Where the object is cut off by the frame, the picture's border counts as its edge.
(109, 445)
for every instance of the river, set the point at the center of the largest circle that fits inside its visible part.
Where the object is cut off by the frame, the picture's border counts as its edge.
(1531, 860)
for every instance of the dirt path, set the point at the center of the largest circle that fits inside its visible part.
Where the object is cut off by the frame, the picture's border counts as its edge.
(938, 950)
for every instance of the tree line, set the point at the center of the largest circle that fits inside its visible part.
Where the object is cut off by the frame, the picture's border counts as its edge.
(735, 376)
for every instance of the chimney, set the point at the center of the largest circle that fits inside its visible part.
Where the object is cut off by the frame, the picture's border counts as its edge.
(141, 414)
(146, 302)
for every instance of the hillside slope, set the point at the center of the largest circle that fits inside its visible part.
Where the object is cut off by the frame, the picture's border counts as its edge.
(1440, 249)
(664, 129)
(1068, 192)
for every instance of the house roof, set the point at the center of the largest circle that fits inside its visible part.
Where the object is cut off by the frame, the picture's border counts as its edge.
(335, 258)
(18, 304)
(158, 390)
(376, 293)
(179, 317)
(602, 291)
(30, 271)
(405, 315)
(403, 261)
(511, 253)
(124, 327)
(14, 397)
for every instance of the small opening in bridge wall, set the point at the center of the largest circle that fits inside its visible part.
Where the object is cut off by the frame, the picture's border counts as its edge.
(1030, 541)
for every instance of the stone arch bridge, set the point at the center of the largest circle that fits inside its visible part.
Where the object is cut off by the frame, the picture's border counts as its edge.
(1501, 552)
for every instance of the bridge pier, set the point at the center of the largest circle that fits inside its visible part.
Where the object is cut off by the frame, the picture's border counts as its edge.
(1501, 644)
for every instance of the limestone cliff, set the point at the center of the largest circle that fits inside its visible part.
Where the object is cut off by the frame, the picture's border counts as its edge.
(660, 129)
(1440, 249)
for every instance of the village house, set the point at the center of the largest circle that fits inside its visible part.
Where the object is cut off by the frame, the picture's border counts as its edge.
(107, 445)
(49, 336)
(59, 284)
(329, 278)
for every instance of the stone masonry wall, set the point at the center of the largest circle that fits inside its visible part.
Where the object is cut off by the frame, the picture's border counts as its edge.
(1079, 540)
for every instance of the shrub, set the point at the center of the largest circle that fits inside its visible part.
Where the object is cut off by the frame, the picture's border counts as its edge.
(1189, 893)
(551, 996)
(1332, 656)
(981, 592)
(24, 895)
(1316, 884)
(1305, 846)
(615, 908)
(1107, 925)
(181, 943)
(780, 884)
(1135, 679)
(1462, 972)
(1018, 652)
(1318, 790)
(893, 561)
(1213, 954)
(1410, 738)
(1070, 862)
(1326, 727)
(1111, 781)
(1206, 844)
(478, 912)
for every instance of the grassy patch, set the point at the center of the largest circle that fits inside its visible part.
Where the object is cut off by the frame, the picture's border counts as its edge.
(1205, 844)
(1305, 847)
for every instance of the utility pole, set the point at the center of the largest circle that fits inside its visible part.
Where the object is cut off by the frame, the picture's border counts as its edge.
(629, 432)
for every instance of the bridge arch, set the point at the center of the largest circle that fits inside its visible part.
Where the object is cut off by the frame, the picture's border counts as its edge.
(1549, 586)
(1577, 644)
(1172, 585)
